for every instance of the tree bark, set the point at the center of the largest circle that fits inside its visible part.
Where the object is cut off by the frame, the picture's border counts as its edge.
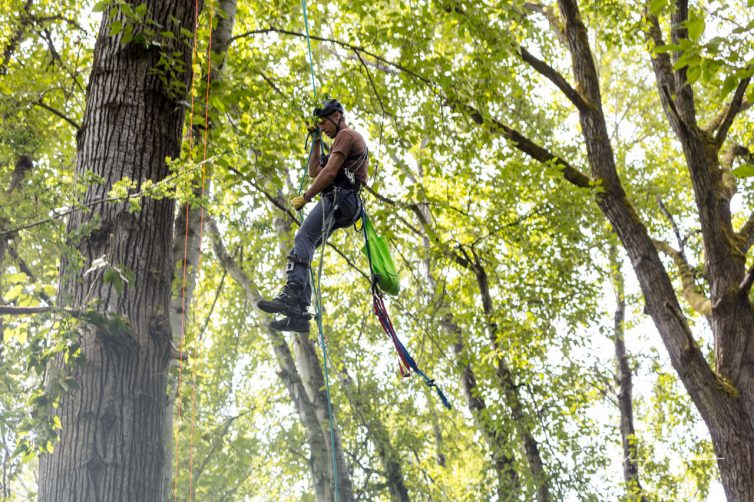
(112, 439)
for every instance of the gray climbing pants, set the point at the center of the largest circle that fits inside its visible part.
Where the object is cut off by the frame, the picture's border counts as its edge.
(338, 208)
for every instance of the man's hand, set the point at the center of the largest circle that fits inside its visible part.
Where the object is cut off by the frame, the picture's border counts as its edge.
(313, 130)
(298, 202)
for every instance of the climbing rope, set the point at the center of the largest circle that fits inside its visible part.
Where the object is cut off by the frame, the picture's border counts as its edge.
(317, 291)
(205, 140)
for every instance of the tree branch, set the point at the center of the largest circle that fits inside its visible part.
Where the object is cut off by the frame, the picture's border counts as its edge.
(698, 301)
(663, 70)
(54, 111)
(527, 146)
(745, 285)
(674, 113)
(346, 45)
(556, 78)
(713, 124)
(16, 38)
(14, 311)
(747, 233)
(735, 106)
(519, 140)
(684, 92)
(371, 82)
(681, 241)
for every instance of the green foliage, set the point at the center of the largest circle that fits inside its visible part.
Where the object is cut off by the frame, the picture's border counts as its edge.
(539, 241)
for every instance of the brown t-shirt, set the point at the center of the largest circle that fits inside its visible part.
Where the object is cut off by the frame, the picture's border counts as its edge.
(350, 143)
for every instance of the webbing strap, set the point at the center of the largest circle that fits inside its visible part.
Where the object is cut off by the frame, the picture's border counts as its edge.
(407, 363)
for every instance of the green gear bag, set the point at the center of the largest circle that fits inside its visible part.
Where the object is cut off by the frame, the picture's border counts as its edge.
(377, 251)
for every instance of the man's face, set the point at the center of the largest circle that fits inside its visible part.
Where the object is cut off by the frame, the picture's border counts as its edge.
(327, 124)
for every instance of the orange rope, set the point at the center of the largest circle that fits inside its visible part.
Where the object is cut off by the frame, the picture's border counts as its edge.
(185, 258)
(199, 259)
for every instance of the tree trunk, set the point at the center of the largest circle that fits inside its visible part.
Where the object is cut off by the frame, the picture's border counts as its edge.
(506, 383)
(112, 439)
(313, 379)
(320, 463)
(625, 403)
(310, 373)
(380, 438)
(508, 481)
(725, 397)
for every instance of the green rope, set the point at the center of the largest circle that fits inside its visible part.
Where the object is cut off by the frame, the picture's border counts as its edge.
(317, 291)
(309, 44)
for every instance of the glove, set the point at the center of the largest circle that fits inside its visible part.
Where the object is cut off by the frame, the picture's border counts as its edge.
(298, 202)
(313, 130)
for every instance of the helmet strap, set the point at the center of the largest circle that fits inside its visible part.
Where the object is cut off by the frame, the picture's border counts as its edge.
(336, 124)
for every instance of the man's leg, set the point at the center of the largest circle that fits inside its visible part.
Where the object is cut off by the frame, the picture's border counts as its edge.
(295, 298)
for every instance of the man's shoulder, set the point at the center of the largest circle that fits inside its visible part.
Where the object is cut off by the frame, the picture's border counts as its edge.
(349, 134)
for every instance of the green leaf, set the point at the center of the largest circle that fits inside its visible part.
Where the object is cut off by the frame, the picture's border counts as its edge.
(127, 34)
(655, 6)
(693, 73)
(730, 83)
(696, 26)
(101, 6)
(141, 9)
(115, 28)
(17, 278)
(14, 293)
(744, 171)
(113, 277)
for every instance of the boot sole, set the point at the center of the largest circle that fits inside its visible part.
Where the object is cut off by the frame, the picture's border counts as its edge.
(289, 328)
(272, 308)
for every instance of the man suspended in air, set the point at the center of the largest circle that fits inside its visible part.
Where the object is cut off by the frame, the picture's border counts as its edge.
(338, 177)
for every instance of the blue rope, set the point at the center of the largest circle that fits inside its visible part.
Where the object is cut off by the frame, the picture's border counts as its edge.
(309, 44)
(317, 292)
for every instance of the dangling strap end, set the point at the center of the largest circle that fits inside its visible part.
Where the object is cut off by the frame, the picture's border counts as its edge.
(404, 370)
(442, 397)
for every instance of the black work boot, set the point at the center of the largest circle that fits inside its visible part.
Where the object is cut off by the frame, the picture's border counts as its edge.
(295, 322)
(288, 302)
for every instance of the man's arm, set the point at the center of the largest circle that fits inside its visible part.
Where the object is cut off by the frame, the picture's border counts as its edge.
(314, 167)
(325, 176)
